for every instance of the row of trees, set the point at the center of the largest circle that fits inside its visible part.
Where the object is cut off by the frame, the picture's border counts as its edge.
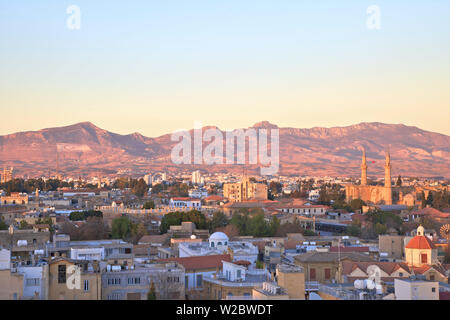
(84, 215)
(436, 199)
(30, 185)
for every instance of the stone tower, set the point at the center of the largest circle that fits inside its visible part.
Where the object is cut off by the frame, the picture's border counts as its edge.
(387, 180)
(364, 169)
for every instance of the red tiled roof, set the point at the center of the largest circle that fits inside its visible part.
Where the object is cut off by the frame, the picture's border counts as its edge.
(201, 262)
(242, 262)
(420, 242)
(213, 198)
(185, 199)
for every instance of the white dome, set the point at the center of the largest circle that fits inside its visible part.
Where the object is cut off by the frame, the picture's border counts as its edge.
(218, 236)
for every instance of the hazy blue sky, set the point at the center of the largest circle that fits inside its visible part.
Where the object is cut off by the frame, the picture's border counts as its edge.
(157, 66)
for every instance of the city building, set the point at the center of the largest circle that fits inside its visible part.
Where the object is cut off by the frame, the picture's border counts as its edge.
(234, 280)
(134, 283)
(325, 267)
(6, 175)
(245, 190)
(409, 289)
(420, 250)
(185, 203)
(14, 198)
(219, 243)
(74, 280)
(368, 193)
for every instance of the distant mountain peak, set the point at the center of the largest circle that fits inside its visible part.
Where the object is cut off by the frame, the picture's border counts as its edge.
(265, 125)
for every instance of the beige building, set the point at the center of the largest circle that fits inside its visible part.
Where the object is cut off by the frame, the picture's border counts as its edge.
(11, 285)
(416, 290)
(74, 280)
(15, 198)
(245, 190)
(391, 245)
(325, 267)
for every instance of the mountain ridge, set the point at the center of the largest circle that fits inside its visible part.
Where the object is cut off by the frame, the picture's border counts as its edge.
(85, 149)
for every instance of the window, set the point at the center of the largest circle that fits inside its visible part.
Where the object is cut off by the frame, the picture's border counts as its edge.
(199, 280)
(312, 274)
(238, 274)
(134, 280)
(424, 258)
(62, 273)
(113, 281)
(327, 274)
(186, 281)
(33, 282)
(433, 289)
(400, 274)
(432, 277)
(86, 285)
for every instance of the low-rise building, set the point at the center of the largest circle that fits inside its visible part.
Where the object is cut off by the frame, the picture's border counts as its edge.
(409, 289)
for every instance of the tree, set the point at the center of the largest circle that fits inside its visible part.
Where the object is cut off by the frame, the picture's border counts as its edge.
(121, 228)
(430, 198)
(176, 218)
(259, 264)
(140, 188)
(3, 225)
(93, 229)
(149, 205)
(218, 220)
(424, 200)
(138, 230)
(288, 227)
(354, 230)
(399, 181)
(380, 228)
(24, 225)
(151, 295)
(230, 230)
(357, 204)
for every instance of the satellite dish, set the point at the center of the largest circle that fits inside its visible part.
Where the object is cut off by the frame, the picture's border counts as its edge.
(193, 237)
(370, 284)
(359, 284)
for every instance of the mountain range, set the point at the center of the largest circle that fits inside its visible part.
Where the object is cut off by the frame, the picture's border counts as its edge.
(84, 149)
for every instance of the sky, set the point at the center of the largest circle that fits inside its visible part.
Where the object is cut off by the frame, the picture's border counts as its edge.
(158, 66)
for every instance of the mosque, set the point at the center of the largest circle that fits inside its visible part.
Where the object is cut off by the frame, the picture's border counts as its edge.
(385, 194)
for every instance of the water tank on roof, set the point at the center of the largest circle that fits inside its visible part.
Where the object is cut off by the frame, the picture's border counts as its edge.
(116, 268)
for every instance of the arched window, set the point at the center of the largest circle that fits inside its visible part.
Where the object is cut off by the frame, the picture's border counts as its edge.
(212, 244)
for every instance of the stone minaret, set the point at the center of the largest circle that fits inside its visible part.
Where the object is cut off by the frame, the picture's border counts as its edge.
(364, 169)
(387, 180)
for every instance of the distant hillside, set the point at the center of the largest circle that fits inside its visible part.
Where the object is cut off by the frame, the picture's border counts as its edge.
(86, 149)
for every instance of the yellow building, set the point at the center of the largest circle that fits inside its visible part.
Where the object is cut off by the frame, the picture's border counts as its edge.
(15, 198)
(11, 285)
(245, 190)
